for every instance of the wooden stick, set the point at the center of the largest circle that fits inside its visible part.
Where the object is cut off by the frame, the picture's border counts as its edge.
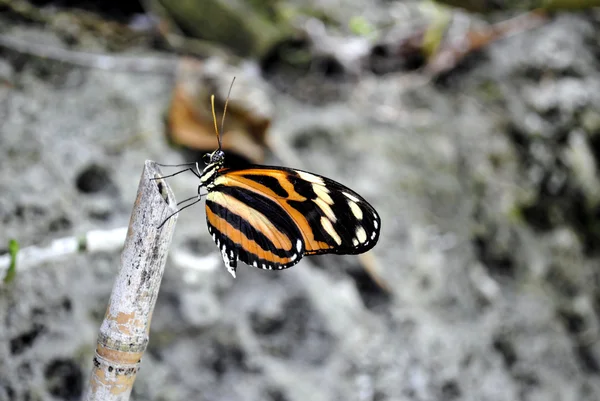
(124, 332)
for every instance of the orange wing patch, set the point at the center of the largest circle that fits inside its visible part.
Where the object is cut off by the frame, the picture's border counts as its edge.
(239, 238)
(239, 178)
(258, 220)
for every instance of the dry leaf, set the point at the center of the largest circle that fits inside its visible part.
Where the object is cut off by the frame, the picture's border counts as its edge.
(249, 111)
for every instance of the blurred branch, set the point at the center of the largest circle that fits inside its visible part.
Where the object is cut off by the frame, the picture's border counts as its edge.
(178, 41)
(142, 64)
(486, 6)
(555, 5)
(93, 241)
(449, 56)
(124, 332)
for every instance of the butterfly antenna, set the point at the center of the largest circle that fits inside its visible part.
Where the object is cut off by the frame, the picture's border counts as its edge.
(212, 103)
(226, 103)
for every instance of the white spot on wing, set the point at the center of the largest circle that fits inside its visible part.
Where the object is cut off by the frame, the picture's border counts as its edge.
(356, 210)
(361, 234)
(373, 235)
(328, 227)
(375, 224)
(254, 264)
(294, 256)
(310, 177)
(323, 193)
(354, 242)
(351, 197)
(299, 245)
(326, 209)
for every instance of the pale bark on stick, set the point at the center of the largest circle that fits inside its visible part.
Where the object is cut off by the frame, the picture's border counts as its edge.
(124, 332)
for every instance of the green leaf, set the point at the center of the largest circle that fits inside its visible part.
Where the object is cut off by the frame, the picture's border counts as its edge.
(13, 249)
(360, 26)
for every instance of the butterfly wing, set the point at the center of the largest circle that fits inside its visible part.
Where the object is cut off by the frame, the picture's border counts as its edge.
(298, 213)
(252, 228)
(337, 216)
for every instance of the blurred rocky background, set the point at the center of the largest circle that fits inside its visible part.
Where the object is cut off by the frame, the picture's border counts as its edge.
(474, 131)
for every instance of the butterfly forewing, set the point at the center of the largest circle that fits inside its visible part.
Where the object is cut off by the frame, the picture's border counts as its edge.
(336, 215)
(269, 217)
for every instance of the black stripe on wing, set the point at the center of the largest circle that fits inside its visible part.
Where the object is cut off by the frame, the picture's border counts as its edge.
(270, 182)
(252, 228)
(336, 214)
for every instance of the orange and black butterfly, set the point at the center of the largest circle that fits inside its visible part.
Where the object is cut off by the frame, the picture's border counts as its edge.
(270, 217)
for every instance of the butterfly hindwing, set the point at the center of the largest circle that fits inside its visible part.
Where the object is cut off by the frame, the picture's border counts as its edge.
(321, 214)
(252, 228)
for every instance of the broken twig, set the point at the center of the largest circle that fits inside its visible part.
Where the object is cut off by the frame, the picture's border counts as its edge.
(124, 332)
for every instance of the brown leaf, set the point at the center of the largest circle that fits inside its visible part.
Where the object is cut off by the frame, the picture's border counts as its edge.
(190, 121)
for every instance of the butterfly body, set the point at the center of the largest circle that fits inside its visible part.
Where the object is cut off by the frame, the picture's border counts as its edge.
(270, 217)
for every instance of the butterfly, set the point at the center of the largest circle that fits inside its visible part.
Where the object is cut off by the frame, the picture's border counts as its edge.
(270, 217)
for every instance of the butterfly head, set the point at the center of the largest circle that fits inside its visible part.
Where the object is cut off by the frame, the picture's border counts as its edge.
(214, 161)
(216, 157)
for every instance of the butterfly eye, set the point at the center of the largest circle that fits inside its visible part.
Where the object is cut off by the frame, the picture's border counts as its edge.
(206, 158)
(217, 156)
